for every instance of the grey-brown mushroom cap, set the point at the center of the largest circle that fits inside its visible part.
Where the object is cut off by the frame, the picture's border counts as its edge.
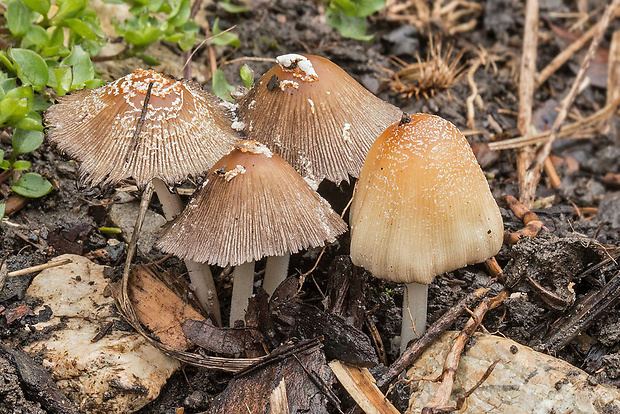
(184, 132)
(253, 205)
(322, 124)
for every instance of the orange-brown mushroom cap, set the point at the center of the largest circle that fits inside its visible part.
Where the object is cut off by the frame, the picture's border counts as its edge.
(253, 205)
(422, 205)
(184, 131)
(317, 117)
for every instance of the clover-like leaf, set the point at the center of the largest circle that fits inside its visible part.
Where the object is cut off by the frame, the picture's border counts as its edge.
(40, 6)
(31, 68)
(25, 141)
(32, 185)
(21, 165)
(220, 86)
(17, 17)
(247, 75)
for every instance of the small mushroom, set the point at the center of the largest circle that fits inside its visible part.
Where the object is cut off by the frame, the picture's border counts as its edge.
(257, 206)
(317, 117)
(422, 207)
(147, 126)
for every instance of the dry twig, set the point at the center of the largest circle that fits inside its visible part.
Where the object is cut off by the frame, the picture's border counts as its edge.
(526, 96)
(439, 403)
(534, 171)
(415, 349)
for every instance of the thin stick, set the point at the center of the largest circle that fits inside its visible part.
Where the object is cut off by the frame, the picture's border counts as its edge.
(416, 348)
(133, 243)
(566, 54)
(38, 268)
(527, 189)
(442, 395)
(568, 101)
(581, 129)
(136, 135)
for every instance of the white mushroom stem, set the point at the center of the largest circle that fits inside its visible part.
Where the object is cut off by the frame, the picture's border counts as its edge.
(243, 287)
(414, 313)
(276, 271)
(199, 273)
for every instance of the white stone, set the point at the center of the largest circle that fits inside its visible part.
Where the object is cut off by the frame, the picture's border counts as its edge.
(523, 382)
(121, 372)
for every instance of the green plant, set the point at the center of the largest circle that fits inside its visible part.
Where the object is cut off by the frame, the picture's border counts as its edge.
(349, 16)
(153, 21)
(44, 53)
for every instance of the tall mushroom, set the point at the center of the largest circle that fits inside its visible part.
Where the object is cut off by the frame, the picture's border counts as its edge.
(150, 127)
(257, 206)
(314, 115)
(422, 207)
(318, 118)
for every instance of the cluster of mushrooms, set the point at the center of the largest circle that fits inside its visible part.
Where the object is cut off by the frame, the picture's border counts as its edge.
(421, 206)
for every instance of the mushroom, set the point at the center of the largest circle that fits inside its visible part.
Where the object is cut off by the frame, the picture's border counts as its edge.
(422, 207)
(318, 118)
(150, 127)
(314, 115)
(257, 206)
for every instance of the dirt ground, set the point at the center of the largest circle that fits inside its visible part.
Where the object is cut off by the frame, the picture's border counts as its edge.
(582, 215)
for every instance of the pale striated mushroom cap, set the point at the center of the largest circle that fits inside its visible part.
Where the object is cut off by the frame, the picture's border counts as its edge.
(253, 205)
(185, 129)
(317, 117)
(422, 205)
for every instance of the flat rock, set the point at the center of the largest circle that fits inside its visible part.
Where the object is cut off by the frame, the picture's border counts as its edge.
(524, 381)
(119, 373)
(124, 217)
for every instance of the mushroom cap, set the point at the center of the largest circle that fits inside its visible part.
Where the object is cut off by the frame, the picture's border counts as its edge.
(253, 205)
(422, 205)
(317, 117)
(184, 132)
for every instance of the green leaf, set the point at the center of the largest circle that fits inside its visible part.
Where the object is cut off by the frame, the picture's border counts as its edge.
(181, 14)
(8, 64)
(5, 165)
(25, 141)
(21, 165)
(2, 210)
(68, 9)
(224, 39)
(40, 6)
(148, 59)
(351, 27)
(37, 36)
(247, 75)
(367, 7)
(8, 84)
(83, 69)
(233, 8)
(17, 17)
(13, 109)
(1, 155)
(63, 76)
(83, 29)
(31, 122)
(220, 87)
(32, 185)
(31, 68)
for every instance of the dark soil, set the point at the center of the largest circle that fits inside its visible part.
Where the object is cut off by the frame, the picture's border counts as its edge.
(66, 221)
